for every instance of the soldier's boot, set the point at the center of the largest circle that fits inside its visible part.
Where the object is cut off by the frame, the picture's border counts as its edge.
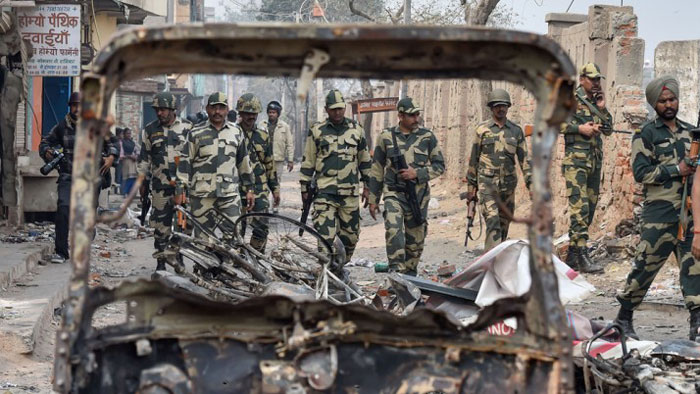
(572, 257)
(258, 244)
(695, 325)
(624, 319)
(161, 264)
(586, 264)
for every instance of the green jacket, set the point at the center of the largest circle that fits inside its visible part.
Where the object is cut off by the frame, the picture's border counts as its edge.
(337, 156)
(421, 151)
(656, 154)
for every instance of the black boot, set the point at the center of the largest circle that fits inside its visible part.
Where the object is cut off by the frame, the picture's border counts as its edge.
(161, 264)
(585, 264)
(695, 325)
(624, 319)
(572, 257)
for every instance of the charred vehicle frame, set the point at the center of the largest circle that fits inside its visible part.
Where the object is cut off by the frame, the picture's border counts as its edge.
(179, 341)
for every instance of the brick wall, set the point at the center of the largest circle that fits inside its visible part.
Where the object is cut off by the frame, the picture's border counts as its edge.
(608, 36)
(129, 110)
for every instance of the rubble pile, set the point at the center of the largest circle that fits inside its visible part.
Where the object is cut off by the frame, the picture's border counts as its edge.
(33, 232)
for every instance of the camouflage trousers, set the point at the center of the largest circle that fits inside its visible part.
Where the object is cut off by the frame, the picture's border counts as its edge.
(202, 210)
(162, 219)
(657, 243)
(338, 215)
(260, 227)
(582, 189)
(496, 222)
(404, 242)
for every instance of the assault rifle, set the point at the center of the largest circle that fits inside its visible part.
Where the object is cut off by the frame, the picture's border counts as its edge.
(145, 200)
(605, 127)
(398, 161)
(311, 191)
(685, 199)
(471, 213)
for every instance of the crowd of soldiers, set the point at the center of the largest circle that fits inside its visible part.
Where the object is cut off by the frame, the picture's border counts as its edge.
(234, 165)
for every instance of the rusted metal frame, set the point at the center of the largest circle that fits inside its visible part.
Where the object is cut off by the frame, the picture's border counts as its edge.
(89, 138)
(109, 218)
(546, 315)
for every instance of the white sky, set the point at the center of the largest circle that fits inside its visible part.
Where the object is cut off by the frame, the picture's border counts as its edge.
(666, 20)
(659, 20)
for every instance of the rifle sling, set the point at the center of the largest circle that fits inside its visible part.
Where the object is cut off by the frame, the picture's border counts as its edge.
(591, 107)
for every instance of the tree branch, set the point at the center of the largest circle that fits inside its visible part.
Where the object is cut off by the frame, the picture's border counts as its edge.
(395, 18)
(355, 11)
(477, 14)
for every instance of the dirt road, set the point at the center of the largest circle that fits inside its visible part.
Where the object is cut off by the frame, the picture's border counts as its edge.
(130, 257)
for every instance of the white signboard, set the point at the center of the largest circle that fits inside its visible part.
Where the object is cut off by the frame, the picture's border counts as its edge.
(54, 33)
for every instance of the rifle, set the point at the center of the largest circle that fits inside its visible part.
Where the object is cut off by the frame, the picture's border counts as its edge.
(686, 201)
(311, 191)
(145, 200)
(471, 213)
(398, 161)
(606, 127)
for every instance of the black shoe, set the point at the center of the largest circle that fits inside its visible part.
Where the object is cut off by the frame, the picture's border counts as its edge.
(695, 325)
(572, 257)
(585, 264)
(624, 319)
(161, 265)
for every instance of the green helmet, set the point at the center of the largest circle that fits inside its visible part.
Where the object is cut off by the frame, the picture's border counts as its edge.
(164, 100)
(498, 96)
(249, 103)
(335, 99)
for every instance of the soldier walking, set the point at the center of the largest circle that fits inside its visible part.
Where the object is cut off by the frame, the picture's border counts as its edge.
(259, 149)
(660, 163)
(281, 138)
(336, 155)
(582, 164)
(161, 143)
(404, 233)
(215, 167)
(497, 145)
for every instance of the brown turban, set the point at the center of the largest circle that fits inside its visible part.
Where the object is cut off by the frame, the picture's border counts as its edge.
(658, 85)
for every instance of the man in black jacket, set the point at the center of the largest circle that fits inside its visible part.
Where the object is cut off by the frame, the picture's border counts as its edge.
(62, 137)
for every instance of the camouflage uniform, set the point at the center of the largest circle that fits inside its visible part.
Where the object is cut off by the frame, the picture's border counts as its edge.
(581, 167)
(259, 148)
(337, 155)
(656, 153)
(282, 142)
(492, 173)
(214, 167)
(160, 151)
(405, 236)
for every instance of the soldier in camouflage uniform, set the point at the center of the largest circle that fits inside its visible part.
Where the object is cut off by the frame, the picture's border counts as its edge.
(405, 234)
(282, 140)
(491, 173)
(214, 168)
(660, 163)
(259, 149)
(161, 144)
(336, 154)
(582, 164)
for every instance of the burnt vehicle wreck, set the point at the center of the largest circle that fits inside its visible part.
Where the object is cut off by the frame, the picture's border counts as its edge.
(180, 341)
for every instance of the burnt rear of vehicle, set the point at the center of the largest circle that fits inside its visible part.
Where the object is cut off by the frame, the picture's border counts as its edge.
(176, 340)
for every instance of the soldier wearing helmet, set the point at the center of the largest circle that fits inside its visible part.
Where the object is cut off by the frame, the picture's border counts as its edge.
(161, 143)
(336, 154)
(491, 175)
(214, 168)
(281, 137)
(264, 175)
(582, 164)
(405, 234)
(62, 137)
